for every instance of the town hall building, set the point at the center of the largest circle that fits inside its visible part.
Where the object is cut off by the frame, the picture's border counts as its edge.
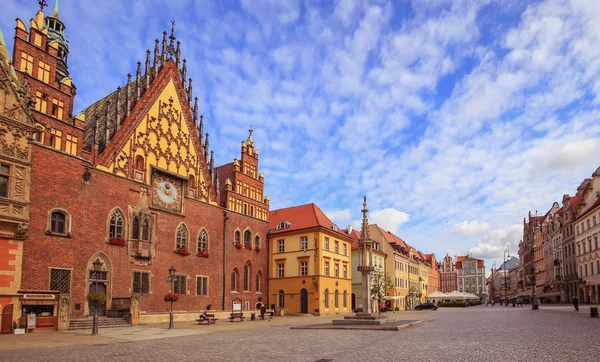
(130, 182)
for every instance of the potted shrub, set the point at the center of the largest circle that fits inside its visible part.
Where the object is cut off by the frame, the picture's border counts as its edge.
(238, 245)
(21, 330)
(257, 248)
(248, 246)
(203, 254)
(96, 297)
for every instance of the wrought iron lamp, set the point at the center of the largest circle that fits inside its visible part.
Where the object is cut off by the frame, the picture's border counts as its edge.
(97, 266)
(172, 278)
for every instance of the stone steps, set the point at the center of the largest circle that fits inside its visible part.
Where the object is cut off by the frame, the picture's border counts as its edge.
(103, 322)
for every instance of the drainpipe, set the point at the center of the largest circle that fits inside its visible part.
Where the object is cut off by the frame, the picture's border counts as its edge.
(225, 218)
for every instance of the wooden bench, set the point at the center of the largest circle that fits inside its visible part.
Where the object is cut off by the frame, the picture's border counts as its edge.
(209, 319)
(235, 315)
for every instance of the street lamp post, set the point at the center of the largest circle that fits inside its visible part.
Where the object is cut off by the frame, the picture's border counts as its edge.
(97, 265)
(506, 255)
(172, 278)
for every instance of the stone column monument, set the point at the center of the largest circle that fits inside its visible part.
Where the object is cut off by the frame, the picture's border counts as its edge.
(365, 266)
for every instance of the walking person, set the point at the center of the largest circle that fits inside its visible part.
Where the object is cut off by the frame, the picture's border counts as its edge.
(263, 310)
(576, 303)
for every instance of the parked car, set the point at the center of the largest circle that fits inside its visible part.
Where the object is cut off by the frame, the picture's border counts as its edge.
(427, 305)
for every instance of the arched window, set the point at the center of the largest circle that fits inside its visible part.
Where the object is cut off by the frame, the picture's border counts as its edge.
(233, 281)
(251, 210)
(58, 222)
(326, 299)
(182, 237)
(115, 225)
(238, 237)
(247, 237)
(203, 241)
(257, 282)
(135, 229)
(345, 298)
(336, 299)
(139, 163)
(281, 299)
(246, 278)
(145, 230)
(257, 241)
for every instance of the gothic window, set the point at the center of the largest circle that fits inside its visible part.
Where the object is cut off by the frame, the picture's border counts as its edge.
(257, 282)
(233, 281)
(139, 163)
(281, 299)
(326, 298)
(182, 237)
(4, 177)
(115, 225)
(247, 237)
(257, 241)
(203, 241)
(246, 278)
(145, 230)
(237, 237)
(135, 229)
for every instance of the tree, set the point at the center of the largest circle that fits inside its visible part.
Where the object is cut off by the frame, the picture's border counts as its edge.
(380, 282)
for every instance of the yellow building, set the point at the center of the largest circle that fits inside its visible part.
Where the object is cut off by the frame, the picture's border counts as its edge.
(310, 263)
(396, 267)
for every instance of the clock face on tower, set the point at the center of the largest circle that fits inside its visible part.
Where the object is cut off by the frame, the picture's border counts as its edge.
(166, 192)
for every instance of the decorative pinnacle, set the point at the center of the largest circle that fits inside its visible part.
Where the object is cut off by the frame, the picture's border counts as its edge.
(42, 4)
(250, 130)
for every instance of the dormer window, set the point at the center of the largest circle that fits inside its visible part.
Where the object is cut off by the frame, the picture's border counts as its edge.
(283, 225)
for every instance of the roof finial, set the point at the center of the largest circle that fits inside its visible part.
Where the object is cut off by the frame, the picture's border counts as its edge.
(171, 49)
(42, 4)
(250, 130)
(55, 12)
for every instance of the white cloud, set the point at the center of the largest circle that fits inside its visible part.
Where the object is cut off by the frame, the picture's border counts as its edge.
(339, 216)
(470, 228)
(388, 219)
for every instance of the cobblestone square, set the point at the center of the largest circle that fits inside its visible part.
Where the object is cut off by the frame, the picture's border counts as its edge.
(554, 333)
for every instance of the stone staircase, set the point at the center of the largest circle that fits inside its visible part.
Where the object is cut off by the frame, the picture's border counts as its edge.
(103, 322)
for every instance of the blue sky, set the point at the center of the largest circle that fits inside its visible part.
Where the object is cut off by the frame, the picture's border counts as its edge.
(455, 118)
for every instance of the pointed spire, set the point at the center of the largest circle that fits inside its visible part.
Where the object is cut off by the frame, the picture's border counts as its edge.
(206, 148)
(364, 233)
(106, 122)
(189, 91)
(138, 74)
(155, 67)
(147, 70)
(55, 14)
(118, 108)
(184, 73)
(177, 54)
(201, 130)
(195, 111)
(127, 93)
(163, 56)
(171, 48)
(218, 187)
(212, 161)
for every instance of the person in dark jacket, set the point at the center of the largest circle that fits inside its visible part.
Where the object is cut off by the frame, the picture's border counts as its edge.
(576, 304)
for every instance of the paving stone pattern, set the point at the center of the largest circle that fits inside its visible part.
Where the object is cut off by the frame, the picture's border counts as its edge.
(471, 334)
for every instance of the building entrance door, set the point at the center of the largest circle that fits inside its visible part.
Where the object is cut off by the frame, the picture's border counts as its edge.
(100, 307)
(304, 301)
(7, 315)
(353, 301)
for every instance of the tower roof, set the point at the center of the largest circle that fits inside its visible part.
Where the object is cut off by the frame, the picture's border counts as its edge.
(55, 13)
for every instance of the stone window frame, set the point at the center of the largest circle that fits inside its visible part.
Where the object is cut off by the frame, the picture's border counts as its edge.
(124, 230)
(280, 270)
(256, 240)
(182, 227)
(40, 133)
(281, 298)
(248, 239)
(281, 245)
(204, 290)
(258, 281)
(177, 287)
(68, 223)
(60, 268)
(246, 278)
(141, 286)
(326, 243)
(235, 276)
(207, 247)
(7, 176)
(326, 298)
(237, 236)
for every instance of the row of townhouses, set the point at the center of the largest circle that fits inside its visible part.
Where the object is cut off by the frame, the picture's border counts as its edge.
(559, 253)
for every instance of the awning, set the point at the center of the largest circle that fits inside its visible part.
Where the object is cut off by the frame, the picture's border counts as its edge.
(38, 302)
(550, 294)
(526, 293)
(393, 297)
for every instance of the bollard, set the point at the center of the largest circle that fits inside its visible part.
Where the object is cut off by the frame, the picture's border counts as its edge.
(594, 312)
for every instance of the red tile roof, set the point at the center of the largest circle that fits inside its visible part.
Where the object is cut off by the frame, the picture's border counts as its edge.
(301, 217)
(355, 236)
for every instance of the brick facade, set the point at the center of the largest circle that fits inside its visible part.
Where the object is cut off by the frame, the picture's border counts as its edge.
(79, 184)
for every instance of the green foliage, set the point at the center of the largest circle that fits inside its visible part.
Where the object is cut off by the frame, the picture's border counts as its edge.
(379, 283)
(96, 297)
